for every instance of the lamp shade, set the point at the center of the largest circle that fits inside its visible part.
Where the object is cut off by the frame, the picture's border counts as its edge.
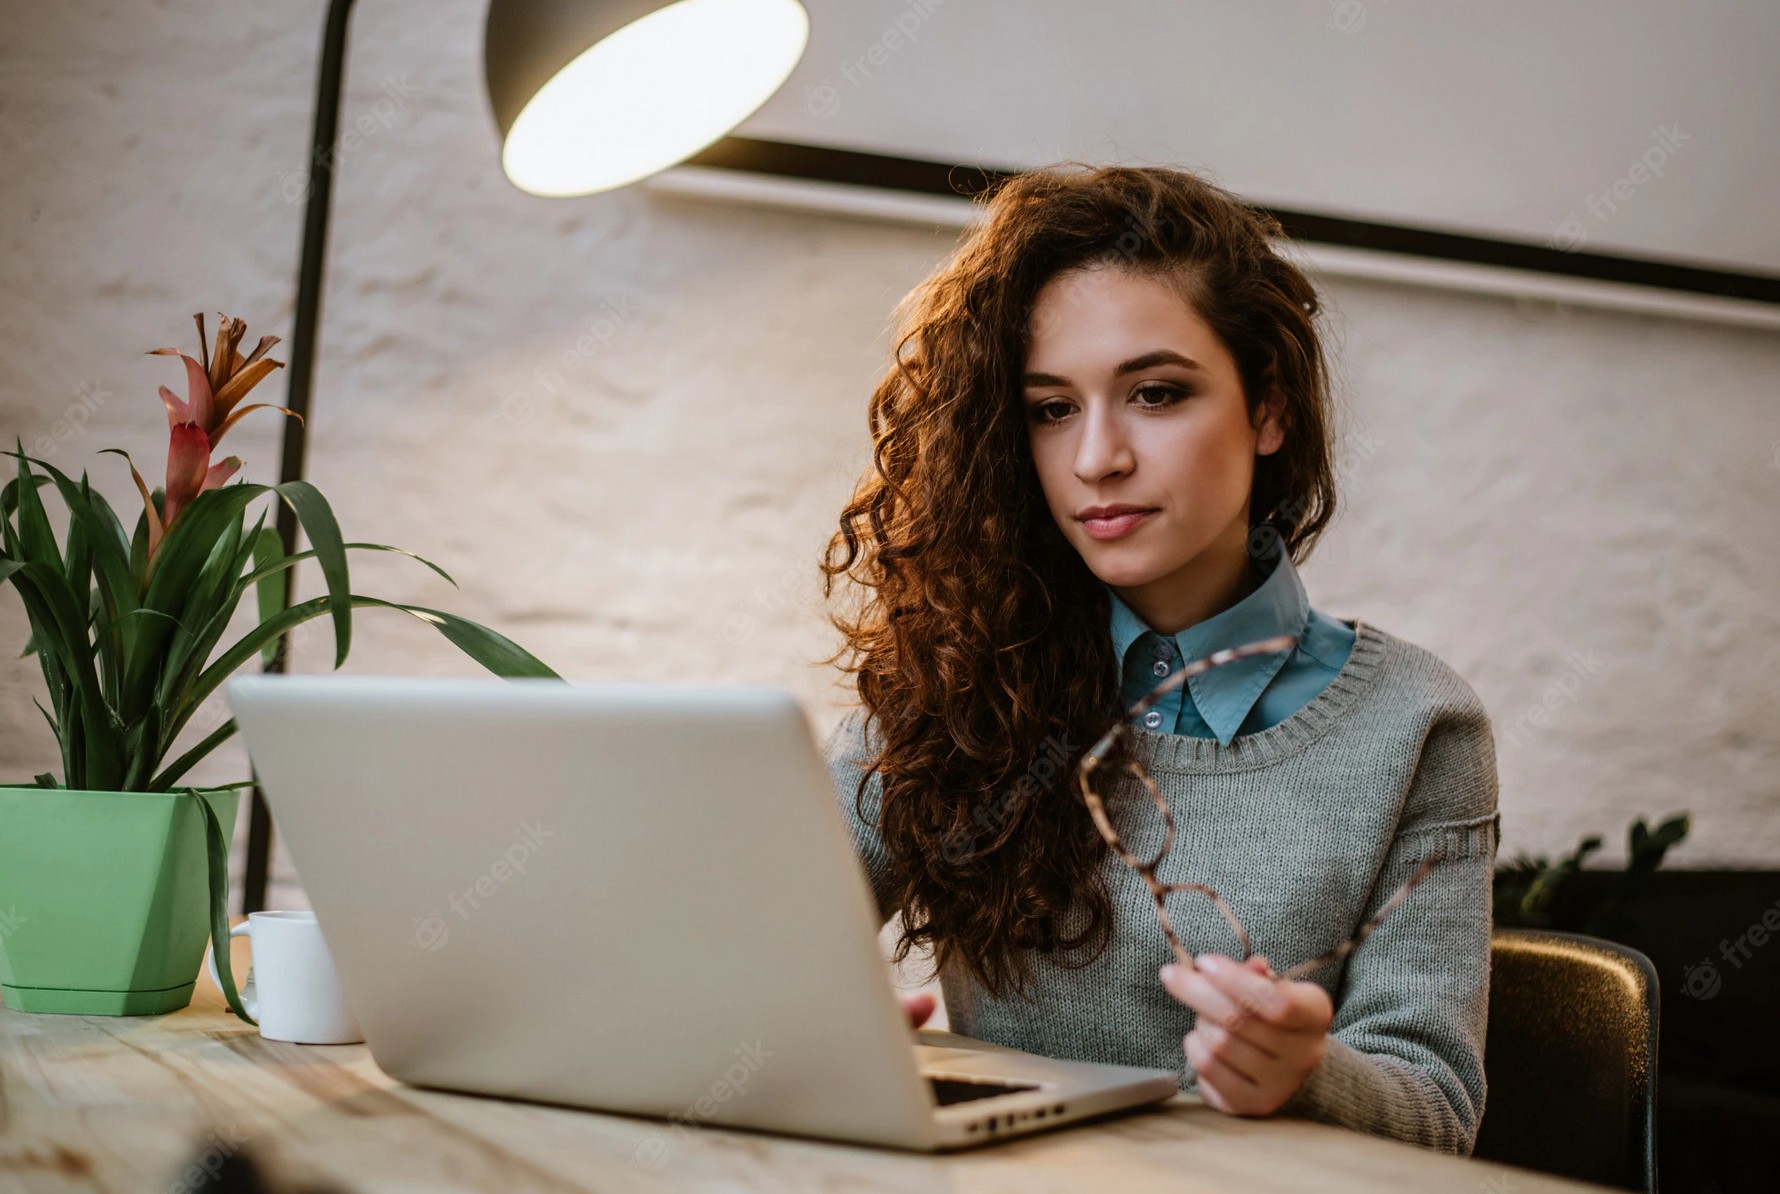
(594, 94)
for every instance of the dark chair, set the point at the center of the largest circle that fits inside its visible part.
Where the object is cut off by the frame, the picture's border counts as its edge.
(1570, 1059)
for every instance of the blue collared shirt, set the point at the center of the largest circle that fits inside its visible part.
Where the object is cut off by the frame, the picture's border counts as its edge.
(1244, 696)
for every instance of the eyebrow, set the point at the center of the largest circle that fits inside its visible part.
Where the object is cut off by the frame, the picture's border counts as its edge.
(1149, 360)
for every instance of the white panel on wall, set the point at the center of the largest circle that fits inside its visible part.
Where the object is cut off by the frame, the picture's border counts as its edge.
(1635, 127)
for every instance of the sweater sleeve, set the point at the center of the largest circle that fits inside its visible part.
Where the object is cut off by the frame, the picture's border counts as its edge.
(845, 752)
(1404, 1054)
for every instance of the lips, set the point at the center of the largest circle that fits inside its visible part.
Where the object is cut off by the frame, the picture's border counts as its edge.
(1117, 522)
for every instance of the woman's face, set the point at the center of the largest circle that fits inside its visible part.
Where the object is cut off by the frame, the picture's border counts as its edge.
(1131, 400)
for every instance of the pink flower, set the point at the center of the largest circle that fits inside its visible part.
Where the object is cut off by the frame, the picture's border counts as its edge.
(197, 422)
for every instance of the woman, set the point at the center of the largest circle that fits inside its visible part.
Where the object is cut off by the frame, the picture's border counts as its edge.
(1102, 449)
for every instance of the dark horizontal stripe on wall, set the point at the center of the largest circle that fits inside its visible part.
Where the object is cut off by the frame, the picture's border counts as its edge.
(914, 176)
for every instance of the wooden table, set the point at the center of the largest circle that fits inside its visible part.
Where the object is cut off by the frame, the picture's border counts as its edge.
(95, 1103)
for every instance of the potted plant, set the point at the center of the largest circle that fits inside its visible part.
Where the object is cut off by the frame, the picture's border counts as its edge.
(1527, 890)
(112, 879)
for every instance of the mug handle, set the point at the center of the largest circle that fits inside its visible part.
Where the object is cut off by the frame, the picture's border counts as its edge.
(249, 995)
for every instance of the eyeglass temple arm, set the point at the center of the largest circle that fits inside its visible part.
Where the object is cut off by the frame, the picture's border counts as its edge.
(1365, 930)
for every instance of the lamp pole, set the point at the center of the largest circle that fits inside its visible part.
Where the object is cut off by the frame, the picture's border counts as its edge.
(525, 44)
(323, 146)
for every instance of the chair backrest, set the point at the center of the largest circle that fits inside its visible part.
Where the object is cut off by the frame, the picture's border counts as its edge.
(1570, 1059)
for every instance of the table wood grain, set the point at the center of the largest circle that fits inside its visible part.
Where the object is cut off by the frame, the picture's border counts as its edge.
(94, 1103)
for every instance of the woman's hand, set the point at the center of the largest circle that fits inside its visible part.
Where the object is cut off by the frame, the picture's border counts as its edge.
(918, 1007)
(1255, 1039)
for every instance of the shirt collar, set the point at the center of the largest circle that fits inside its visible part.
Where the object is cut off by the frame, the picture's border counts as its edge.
(1224, 695)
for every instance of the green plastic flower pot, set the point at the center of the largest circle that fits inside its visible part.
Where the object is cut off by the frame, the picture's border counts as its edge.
(104, 898)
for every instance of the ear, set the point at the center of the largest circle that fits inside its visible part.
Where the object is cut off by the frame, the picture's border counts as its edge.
(1271, 423)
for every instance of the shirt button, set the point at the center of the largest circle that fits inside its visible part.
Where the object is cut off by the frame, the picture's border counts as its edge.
(1161, 650)
(1160, 667)
(1152, 719)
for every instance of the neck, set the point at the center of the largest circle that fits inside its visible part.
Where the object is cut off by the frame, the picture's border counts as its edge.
(1205, 586)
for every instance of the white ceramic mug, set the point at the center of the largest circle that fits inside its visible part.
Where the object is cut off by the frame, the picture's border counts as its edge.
(292, 988)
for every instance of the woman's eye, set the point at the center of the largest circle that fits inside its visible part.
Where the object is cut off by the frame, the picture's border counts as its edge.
(1152, 397)
(1165, 395)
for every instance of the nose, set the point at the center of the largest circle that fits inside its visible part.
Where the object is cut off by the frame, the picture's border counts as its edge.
(1104, 449)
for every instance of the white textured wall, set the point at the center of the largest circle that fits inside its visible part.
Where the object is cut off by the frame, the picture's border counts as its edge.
(626, 423)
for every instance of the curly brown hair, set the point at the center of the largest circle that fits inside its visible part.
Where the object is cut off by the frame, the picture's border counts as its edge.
(980, 640)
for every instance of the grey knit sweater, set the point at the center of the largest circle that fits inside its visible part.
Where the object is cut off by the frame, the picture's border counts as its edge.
(1304, 828)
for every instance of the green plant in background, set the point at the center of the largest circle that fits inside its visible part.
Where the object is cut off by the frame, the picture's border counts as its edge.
(125, 627)
(1527, 889)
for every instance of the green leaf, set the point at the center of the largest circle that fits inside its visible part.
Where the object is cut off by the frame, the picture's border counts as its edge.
(51, 608)
(79, 569)
(186, 761)
(142, 746)
(186, 658)
(9, 501)
(210, 599)
(53, 727)
(37, 540)
(216, 858)
(279, 564)
(317, 517)
(9, 496)
(110, 553)
(1671, 832)
(46, 780)
(271, 589)
(494, 651)
(176, 572)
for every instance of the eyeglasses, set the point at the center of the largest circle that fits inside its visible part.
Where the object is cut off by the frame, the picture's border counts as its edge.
(1146, 870)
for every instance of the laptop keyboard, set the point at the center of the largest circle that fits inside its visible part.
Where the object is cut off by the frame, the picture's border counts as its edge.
(947, 1091)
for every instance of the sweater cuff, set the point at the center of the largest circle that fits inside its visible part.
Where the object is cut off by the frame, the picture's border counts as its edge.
(1354, 1089)
(1344, 1078)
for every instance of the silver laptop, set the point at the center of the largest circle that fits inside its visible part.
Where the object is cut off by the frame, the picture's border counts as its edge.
(637, 897)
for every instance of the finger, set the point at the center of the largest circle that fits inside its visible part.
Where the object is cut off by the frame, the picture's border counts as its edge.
(1214, 1098)
(1251, 1056)
(1260, 965)
(1195, 989)
(1257, 995)
(918, 1007)
(1308, 1009)
(1212, 1004)
(1306, 1014)
(1209, 1065)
